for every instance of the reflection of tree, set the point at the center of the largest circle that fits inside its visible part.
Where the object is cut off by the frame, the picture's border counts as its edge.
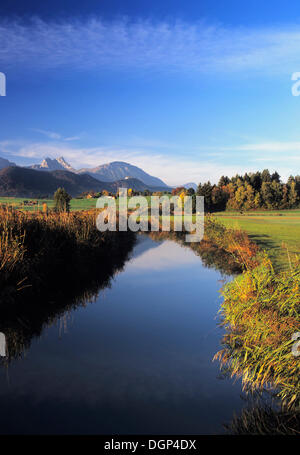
(265, 417)
(26, 319)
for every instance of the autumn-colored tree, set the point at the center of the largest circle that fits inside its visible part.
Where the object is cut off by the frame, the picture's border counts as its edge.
(293, 196)
(45, 207)
(181, 198)
(251, 191)
(177, 190)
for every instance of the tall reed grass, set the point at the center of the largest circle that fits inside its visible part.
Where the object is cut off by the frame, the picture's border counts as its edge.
(39, 251)
(261, 312)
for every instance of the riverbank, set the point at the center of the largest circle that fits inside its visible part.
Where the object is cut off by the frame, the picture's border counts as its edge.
(261, 314)
(41, 254)
(275, 231)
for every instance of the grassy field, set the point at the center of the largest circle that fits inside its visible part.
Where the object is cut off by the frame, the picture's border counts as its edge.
(76, 204)
(278, 232)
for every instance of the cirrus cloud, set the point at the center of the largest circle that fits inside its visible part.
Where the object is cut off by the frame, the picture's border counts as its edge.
(176, 46)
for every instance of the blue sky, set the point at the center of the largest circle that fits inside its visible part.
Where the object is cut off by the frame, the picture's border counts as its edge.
(186, 90)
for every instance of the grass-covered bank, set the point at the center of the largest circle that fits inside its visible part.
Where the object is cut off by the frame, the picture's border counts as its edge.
(44, 253)
(261, 312)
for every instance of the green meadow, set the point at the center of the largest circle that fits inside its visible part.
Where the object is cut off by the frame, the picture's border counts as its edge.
(17, 203)
(277, 232)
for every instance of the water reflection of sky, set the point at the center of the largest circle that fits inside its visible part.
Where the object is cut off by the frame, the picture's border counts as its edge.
(166, 255)
(138, 360)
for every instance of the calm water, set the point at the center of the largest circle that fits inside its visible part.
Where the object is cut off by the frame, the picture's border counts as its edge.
(136, 360)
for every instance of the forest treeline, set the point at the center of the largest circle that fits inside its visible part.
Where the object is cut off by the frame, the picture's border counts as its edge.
(259, 190)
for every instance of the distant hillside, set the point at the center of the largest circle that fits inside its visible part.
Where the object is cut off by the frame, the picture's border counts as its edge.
(190, 185)
(31, 183)
(136, 185)
(22, 182)
(5, 163)
(118, 170)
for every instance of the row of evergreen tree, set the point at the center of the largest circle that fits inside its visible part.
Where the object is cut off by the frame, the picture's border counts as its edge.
(259, 190)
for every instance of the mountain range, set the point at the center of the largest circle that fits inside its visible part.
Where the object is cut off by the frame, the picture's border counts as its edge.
(189, 185)
(117, 170)
(16, 181)
(21, 182)
(40, 180)
(110, 172)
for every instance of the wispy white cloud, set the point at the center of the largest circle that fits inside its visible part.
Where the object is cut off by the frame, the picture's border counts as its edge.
(49, 134)
(251, 148)
(72, 138)
(55, 136)
(272, 147)
(174, 169)
(277, 159)
(192, 47)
